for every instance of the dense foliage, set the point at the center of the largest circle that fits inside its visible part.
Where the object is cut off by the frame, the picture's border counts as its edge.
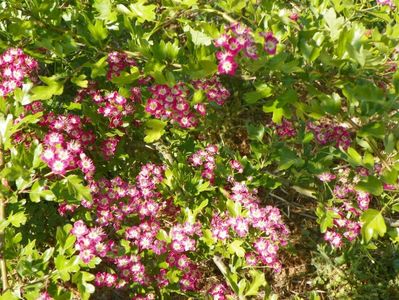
(189, 149)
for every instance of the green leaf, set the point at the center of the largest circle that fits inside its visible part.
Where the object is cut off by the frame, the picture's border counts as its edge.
(66, 266)
(39, 191)
(375, 129)
(80, 81)
(81, 280)
(373, 224)
(187, 3)
(390, 176)
(203, 68)
(200, 207)
(54, 87)
(126, 78)
(37, 161)
(234, 208)
(139, 11)
(105, 9)
(331, 104)
(371, 185)
(198, 96)
(262, 91)
(287, 158)
(354, 157)
(310, 47)
(97, 30)
(258, 280)
(389, 143)
(256, 133)
(8, 295)
(235, 248)
(47, 254)
(166, 50)
(368, 160)
(5, 125)
(98, 68)
(154, 130)
(75, 183)
(325, 217)
(198, 37)
(17, 219)
(203, 186)
(333, 23)
(208, 238)
(277, 111)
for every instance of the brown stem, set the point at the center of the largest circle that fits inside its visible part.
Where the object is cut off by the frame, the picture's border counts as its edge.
(3, 268)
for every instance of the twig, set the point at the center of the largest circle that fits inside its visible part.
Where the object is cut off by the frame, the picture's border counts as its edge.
(3, 268)
(293, 204)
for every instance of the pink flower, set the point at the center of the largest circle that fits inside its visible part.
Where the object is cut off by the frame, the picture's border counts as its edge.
(270, 42)
(294, 17)
(79, 229)
(385, 2)
(251, 51)
(222, 40)
(227, 66)
(44, 296)
(236, 165)
(326, 177)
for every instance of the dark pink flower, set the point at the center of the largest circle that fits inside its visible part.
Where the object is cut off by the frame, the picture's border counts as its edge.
(271, 42)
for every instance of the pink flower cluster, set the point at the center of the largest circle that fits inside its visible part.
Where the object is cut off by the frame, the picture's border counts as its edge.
(238, 37)
(90, 241)
(271, 230)
(149, 296)
(34, 107)
(113, 106)
(116, 200)
(117, 62)
(285, 129)
(117, 203)
(220, 292)
(108, 147)
(45, 296)
(181, 235)
(205, 158)
(143, 236)
(65, 143)
(386, 3)
(353, 202)
(343, 226)
(328, 133)
(15, 66)
(236, 166)
(172, 103)
(191, 274)
(64, 208)
(214, 91)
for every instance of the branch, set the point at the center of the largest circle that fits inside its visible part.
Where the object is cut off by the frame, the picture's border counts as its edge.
(3, 268)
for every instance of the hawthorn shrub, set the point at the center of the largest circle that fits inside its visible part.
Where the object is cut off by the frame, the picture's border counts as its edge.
(176, 149)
